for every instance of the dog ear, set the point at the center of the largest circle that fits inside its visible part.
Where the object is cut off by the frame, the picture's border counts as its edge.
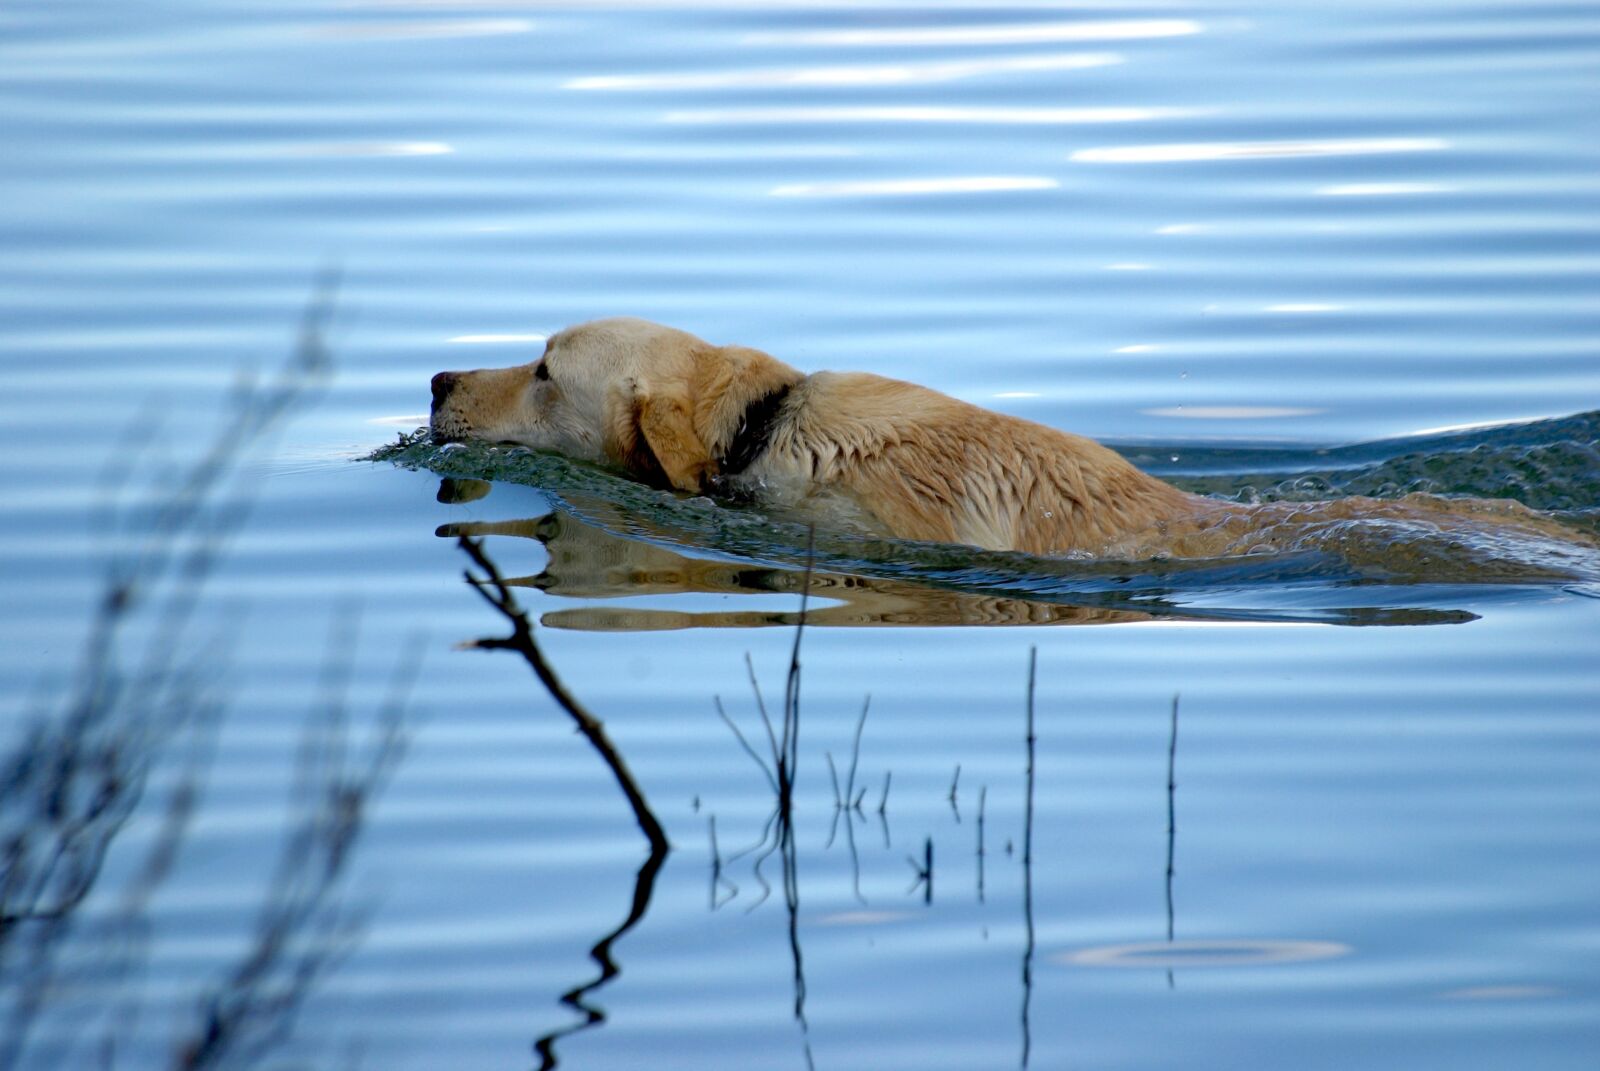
(658, 441)
(667, 424)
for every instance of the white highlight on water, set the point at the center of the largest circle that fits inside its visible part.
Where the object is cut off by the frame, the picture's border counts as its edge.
(928, 114)
(916, 187)
(420, 29)
(1238, 150)
(1242, 952)
(1003, 34)
(1382, 189)
(1231, 412)
(374, 148)
(830, 77)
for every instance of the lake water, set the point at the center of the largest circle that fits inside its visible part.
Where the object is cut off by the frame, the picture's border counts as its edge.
(1289, 250)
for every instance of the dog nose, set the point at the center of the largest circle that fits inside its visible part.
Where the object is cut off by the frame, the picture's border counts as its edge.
(443, 384)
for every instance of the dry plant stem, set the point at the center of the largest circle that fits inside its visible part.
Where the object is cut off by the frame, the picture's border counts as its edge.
(748, 750)
(1172, 810)
(78, 775)
(983, 793)
(1172, 827)
(855, 755)
(1027, 864)
(495, 592)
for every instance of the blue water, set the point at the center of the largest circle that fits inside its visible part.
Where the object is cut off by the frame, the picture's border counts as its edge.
(1233, 239)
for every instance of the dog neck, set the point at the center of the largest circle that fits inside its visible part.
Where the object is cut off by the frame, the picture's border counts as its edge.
(754, 433)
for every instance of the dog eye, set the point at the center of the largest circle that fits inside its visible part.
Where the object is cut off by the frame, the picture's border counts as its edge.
(541, 371)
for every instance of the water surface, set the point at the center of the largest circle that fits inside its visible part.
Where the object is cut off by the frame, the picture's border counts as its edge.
(1277, 252)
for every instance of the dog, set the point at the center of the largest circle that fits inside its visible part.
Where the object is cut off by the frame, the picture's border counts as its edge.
(887, 457)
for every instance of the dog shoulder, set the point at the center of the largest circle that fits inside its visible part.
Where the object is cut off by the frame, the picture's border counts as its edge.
(934, 467)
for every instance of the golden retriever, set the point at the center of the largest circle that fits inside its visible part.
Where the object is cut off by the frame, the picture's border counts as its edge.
(891, 457)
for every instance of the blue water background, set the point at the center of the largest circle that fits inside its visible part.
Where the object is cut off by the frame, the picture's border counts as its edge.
(1180, 224)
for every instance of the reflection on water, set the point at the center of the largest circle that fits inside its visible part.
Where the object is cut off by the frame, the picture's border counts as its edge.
(580, 997)
(494, 590)
(1170, 154)
(419, 29)
(1239, 952)
(586, 562)
(916, 187)
(1231, 412)
(927, 114)
(372, 148)
(1383, 189)
(897, 74)
(482, 340)
(1379, 215)
(1013, 34)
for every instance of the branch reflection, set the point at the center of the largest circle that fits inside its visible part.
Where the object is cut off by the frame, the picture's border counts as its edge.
(496, 593)
(644, 884)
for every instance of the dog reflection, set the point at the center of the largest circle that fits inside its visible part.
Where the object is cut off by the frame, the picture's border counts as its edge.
(588, 562)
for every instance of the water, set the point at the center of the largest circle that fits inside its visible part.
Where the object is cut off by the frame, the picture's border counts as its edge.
(1269, 251)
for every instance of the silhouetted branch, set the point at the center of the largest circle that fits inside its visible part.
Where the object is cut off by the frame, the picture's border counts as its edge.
(492, 587)
(717, 878)
(777, 835)
(923, 871)
(1027, 865)
(855, 755)
(644, 884)
(303, 928)
(772, 780)
(77, 776)
(983, 793)
(1172, 824)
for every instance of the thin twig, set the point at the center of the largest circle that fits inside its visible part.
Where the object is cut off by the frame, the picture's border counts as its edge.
(748, 750)
(983, 792)
(494, 591)
(1172, 826)
(1027, 866)
(761, 706)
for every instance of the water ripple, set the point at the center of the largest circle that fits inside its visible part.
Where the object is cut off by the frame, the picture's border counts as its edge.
(1235, 150)
(834, 77)
(1002, 34)
(917, 187)
(996, 116)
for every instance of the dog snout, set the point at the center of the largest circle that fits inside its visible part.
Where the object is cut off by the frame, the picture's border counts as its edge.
(443, 384)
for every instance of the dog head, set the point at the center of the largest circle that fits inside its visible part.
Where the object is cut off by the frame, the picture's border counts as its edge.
(658, 402)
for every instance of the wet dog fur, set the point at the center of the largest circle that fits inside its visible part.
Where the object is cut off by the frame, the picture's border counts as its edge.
(891, 457)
